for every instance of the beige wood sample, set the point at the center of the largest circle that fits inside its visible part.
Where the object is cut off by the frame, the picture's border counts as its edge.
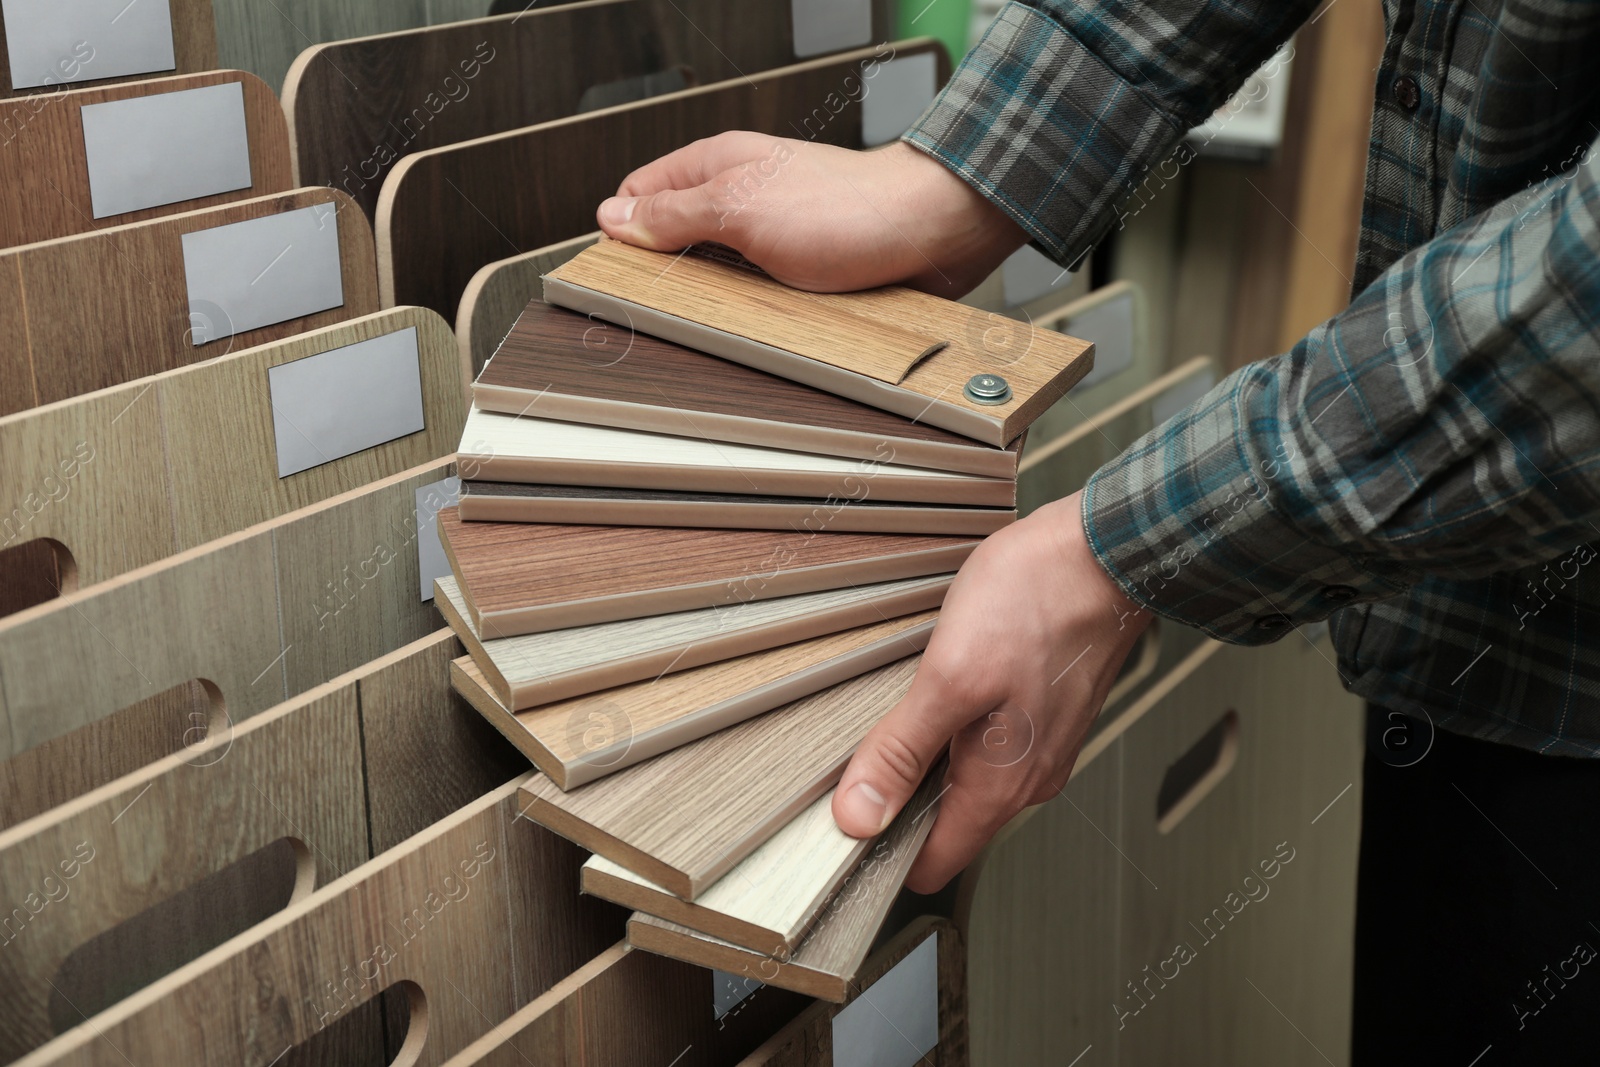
(579, 740)
(194, 49)
(47, 191)
(258, 616)
(808, 1040)
(520, 578)
(595, 505)
(511, 448)
(499, 292)
(826, 962)
(128, 475)
(103, 308)
(743, 315)
(684, 818)
(530, 670)
(419, 913)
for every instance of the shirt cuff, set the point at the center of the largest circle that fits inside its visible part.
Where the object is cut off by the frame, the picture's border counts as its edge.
(1183, 522)
(1042, 127)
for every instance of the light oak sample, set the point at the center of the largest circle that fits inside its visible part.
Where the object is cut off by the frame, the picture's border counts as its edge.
(105, 680)
(855, 344)
(808, 1040)
(445, 212)
(684, 818)
(512, 448)
(194, 49)
(579, 740)
(521, 578)
(128, 475)
(556, 364)
(826, 962)
(103, 308)
(598, 505)
(498, 294)
(421, 913)
(523, 672)
(46, 193)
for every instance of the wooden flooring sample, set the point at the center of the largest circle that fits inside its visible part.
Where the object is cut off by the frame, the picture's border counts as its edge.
(556, 364)
(511, 448)
(530, 670)
(852, 344)
(598, 505)
(826, 962)
(579, 740)
(103, 308)
(445, 212)
(498, 294)
(46, 194)
(683, 819)
(194, 48)
(521, 578)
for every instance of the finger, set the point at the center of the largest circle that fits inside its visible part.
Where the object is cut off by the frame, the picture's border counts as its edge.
(697, 163)
(896, 754)
(666, 221)
(968, 817)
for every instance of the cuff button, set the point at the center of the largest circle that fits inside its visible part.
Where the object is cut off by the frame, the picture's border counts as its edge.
(1339, 594)
(1273, 623)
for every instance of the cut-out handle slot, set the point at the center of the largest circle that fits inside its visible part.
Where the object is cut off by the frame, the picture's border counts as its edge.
(1197, 772)
(34, 572)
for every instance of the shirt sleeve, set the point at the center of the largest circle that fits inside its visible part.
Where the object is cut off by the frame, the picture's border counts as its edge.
(1447, 423)
(1064, 106)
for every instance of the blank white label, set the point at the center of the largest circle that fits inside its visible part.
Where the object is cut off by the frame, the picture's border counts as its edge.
(346, 400)
(1181, 396)
(54, 42)
(1028, 274)
(147, 151)
(895, 1021)
(897, 95)
(728, 991)
(830, 25)
(250, 274)
(1110, 326)
(431, 560)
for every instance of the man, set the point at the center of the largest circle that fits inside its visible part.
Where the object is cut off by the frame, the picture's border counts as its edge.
(1423, 469)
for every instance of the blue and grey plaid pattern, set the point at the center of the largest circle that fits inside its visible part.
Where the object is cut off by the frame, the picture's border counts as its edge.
(1424, 468)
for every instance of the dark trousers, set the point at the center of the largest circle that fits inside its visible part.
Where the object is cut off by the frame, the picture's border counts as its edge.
(1478, 903)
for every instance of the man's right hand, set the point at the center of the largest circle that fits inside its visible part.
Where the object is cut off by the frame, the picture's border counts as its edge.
(817, 217)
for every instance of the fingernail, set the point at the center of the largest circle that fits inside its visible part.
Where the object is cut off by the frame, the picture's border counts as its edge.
(865, 806)
(617, 210)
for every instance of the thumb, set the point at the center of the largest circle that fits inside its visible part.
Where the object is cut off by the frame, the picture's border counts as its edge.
(898, 752)
(667, 221)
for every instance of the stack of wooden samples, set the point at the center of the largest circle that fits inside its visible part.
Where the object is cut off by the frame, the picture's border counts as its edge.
(690, 579)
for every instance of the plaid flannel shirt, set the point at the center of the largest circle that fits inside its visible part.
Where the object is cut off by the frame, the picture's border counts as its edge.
(1423, 469)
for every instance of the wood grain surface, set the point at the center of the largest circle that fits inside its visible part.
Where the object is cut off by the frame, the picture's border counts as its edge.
(742, 314)
(420, 912)
(103, 308)
(527, 671)
(579, 740)
(684, 818)
(599, 505)
(1106, 386)
(808, 1040)
(827, 961)
(556, 364)
(625, 1008)
(446, 212)
(194, 49)
(46, 192)
(520, 578)
(512, 448)
(498, 294)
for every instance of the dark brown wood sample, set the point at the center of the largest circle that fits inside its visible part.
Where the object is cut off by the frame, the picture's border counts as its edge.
(556, 364)
(446, 212)
(595, 505)
(521, 578)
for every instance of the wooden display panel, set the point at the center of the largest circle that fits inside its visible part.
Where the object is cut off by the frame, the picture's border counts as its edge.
(1108, 383)
(46, 191)
(101, 309)
(194, 48)
(446, 212)
(129, 475)
(417, 916)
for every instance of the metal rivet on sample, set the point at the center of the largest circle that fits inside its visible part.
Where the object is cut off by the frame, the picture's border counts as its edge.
(987, 389)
